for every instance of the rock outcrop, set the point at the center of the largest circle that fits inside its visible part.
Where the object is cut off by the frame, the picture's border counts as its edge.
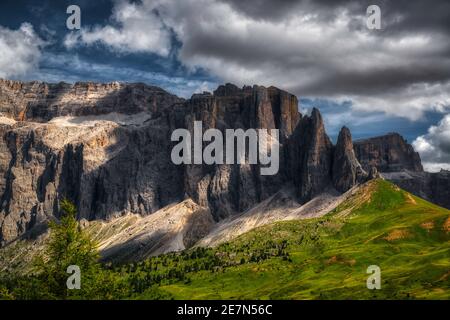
(347, 171)
(229, 189)
(107, 148)
(75, 144)
(310, 153)
(40, 102)
(394, 159)
(388, 153)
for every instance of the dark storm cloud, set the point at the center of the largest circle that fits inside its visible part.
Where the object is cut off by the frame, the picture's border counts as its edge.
(400, 20)
(388, 80)
(324, 48)
(419, 14)
(276, 10)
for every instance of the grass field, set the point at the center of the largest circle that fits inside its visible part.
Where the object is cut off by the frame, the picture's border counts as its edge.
(327, 258)
(322, 258)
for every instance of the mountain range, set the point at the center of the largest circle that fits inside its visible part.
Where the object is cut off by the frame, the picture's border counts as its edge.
(106, 147)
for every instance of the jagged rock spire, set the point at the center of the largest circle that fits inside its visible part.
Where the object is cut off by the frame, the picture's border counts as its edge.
(346, 171)
(310, 156)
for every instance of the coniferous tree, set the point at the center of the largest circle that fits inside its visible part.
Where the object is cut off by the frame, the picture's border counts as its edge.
(69, 245)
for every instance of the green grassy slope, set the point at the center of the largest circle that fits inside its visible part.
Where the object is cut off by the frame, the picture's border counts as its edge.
(327, 258)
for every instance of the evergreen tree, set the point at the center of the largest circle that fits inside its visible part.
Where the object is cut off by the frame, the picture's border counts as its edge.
(70, 245)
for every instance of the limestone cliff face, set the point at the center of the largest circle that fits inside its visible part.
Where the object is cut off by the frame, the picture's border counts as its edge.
(310, 155)
(397, 161)
(388, 153)
(40, 102)
(228, 189)
(347, 171)
(107, 148)
(113, 157)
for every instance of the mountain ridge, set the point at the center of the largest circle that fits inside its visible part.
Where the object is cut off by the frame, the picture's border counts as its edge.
(106, 147)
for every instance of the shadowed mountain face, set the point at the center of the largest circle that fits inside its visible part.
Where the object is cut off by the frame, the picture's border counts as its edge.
(347, 171)
(310, 157)
(398, 162)
(107, 148)
(230, 189)
(388, 153)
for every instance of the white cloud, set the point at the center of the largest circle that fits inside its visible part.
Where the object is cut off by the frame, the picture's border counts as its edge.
(135, 28)
(435, 166)
(20, 51)
(434, 147)
(410, 102)
(203, 86)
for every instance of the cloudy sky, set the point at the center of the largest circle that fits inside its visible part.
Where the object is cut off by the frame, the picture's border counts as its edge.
(374, 81)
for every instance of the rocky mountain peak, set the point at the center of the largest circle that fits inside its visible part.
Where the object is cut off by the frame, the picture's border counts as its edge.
(228, 189)
(310, 156)
(40, 102)
(316, 118)
(345, 137)
(388, 153)
(228, 89)
(347, 171)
